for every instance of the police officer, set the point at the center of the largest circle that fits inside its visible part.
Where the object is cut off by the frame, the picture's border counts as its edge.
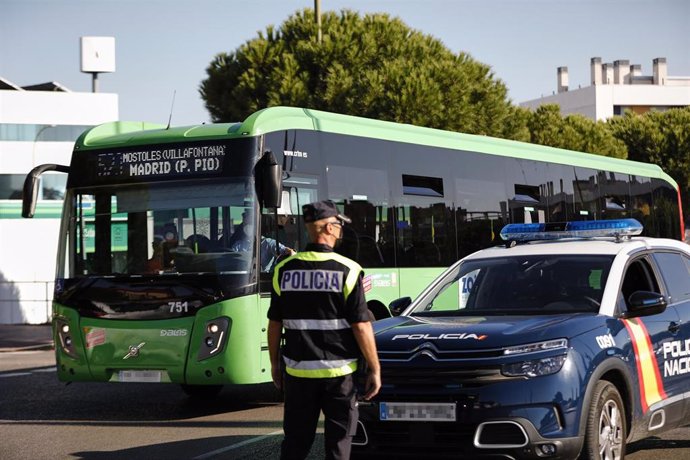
(318, 300)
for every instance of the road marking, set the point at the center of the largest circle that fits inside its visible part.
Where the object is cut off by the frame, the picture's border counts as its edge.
(19, 374)
(237, 446)
(23, 351)
(15, 374)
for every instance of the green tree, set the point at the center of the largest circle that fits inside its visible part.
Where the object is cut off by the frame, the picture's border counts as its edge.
(662, 138)
(573, 132)
(372, 66)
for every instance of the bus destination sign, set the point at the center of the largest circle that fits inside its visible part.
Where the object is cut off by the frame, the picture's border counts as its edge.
(173, 160)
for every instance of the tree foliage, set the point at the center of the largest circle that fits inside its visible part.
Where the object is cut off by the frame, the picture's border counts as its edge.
(372, 66)
(573, 132)
(662, 138)
(375, 66)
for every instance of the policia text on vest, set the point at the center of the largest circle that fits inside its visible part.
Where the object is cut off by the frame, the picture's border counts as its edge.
(318, 303)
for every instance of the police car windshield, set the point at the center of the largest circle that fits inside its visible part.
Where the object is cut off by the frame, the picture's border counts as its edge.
(524, 285)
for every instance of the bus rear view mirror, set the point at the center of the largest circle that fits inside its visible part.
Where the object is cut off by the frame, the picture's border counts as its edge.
(30, 190)
(269, 175)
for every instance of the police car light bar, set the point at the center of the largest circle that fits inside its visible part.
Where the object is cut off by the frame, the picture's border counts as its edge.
(579, 229)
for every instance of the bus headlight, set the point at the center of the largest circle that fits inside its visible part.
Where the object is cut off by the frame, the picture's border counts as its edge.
(65, 338)
(214, 337)
(535, 367)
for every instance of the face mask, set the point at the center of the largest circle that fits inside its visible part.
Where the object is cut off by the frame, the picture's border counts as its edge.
(339, 240)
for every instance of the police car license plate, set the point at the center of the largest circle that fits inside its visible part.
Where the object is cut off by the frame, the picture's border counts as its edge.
(424, 412)
(139, 376)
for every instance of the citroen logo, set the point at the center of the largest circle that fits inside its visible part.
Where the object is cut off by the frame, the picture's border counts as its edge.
(134, 351)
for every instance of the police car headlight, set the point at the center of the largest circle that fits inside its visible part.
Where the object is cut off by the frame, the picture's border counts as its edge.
(535, 347)
(535, 367)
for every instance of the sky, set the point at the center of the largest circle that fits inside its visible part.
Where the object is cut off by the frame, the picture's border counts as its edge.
(164, 46)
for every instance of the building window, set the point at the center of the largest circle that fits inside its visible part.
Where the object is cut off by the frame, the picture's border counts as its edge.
(43, 133)
(52, 186)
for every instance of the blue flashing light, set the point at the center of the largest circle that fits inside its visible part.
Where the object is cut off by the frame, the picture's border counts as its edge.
(578, 229)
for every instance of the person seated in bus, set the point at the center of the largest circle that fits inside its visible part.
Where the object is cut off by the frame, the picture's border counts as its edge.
(164, 243)
(243, 232)
(241, 241)
(271, 250)
(155, 263)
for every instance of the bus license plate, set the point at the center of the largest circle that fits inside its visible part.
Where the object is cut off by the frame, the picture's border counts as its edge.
(424, 412)
(139, 376)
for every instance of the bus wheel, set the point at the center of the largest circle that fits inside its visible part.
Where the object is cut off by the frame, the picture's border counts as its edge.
(606, 432)
(202, 391)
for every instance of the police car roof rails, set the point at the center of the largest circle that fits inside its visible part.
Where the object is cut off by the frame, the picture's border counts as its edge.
(616, 228)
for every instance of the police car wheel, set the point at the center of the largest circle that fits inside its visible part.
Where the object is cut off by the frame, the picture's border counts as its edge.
(202, 391)
(606, 429)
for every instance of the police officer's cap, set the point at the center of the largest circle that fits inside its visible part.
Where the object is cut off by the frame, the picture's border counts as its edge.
(321, 210)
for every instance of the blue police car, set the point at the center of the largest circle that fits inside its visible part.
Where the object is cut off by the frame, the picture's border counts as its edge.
(569, 341)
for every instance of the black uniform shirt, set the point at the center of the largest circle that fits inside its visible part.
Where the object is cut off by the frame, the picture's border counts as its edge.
(317, 294)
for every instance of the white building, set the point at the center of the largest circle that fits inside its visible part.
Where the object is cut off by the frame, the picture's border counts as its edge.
(38, 124)
(617, 87)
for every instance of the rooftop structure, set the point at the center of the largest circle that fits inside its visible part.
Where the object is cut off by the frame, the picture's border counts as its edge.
(617, 87)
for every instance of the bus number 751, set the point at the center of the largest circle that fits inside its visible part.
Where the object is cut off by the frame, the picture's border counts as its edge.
(178, 307)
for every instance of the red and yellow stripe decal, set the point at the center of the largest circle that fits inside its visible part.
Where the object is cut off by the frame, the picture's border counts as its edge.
(651, 385)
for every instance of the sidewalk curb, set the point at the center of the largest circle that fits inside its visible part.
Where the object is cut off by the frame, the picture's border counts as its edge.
(40, 347)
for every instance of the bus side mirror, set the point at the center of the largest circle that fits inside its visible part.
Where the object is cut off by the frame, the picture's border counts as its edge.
(30, 190)
(269, 175)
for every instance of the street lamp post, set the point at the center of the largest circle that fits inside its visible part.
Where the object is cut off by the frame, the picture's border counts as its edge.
(317, 13)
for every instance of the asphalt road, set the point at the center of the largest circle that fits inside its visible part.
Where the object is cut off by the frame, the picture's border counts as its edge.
(41, 418)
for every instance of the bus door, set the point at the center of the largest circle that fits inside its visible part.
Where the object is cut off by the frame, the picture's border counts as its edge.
(286, 227)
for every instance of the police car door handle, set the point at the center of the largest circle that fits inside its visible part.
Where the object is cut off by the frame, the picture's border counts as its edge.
(674, 327)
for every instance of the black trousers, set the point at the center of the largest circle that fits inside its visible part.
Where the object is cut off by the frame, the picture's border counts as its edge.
(304, 401)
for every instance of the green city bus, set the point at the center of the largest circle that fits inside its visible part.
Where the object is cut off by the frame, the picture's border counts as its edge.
(151, 288)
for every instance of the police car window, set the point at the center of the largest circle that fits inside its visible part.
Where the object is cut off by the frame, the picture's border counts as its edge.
(534, 285)
(638, 277)
(675, 270)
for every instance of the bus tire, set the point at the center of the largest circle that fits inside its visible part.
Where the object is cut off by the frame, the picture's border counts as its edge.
(378, 310)
(202, 391)
(606, 431)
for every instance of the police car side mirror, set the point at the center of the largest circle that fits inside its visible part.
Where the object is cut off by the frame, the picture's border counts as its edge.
(399, 305)
(644, 303)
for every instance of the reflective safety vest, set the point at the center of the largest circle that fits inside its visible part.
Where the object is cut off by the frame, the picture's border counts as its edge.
(317, 294)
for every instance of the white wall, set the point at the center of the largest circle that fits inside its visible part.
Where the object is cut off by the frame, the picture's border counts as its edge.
(27, 269)
(650, 95)
(20, 157)
(51, 107)
(580, 101)
(28, 247)
(597, 102)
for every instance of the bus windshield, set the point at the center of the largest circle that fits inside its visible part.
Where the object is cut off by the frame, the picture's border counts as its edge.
(159, 229)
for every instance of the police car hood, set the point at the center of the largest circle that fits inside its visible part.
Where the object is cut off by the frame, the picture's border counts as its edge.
(405, 333)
